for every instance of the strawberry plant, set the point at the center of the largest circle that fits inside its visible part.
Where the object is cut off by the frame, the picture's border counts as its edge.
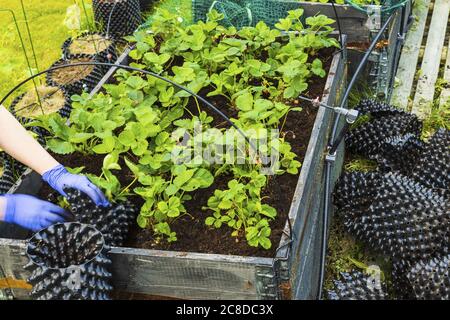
(170, 147)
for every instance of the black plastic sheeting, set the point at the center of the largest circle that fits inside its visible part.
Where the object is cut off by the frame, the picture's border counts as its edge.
(113, 222)
(357, 285)
(402, 209)
(68, 261)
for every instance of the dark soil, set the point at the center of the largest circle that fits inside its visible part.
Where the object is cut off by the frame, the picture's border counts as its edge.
(192, 233)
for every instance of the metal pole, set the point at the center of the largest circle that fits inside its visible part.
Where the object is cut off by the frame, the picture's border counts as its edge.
(29, 34)
(24, 53)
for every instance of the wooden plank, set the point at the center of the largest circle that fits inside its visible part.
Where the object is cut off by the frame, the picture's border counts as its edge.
(163, 273)
(410, 56)
(445, 93)
(424, 95)
(186, 276)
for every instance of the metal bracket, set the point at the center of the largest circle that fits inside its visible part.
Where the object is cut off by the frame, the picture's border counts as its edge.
(374, 21)
(330, 157)
(266, 282)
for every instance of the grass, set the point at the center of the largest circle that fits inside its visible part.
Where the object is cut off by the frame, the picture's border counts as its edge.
(48, 32)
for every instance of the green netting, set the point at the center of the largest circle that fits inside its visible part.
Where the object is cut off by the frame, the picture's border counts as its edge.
(240, 13)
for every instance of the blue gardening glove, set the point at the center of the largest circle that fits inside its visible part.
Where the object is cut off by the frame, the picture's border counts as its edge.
(31, 213)
(59, 179)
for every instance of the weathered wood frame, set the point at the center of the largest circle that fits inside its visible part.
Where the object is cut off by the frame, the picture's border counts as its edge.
(293, 273)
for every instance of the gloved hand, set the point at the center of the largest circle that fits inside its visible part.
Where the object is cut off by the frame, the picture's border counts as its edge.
(59, 179)
(31, 213)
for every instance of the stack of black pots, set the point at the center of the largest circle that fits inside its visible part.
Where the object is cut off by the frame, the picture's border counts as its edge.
(402, 209)
(69, 261)
(95, 72)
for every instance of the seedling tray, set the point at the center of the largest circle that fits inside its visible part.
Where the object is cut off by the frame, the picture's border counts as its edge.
(292, 273)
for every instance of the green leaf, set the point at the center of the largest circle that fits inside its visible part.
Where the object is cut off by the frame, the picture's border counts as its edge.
(110, 162)
(142, 221)
(183, 177)
(134, 168)
(106, 147)
(60, 147)
(210, 221)
(265, 243)
(127, 138)
(245, 101)
(136, 82)
(80, 137)
(77, 170)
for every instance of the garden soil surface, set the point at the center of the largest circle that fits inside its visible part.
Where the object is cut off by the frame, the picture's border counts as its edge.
(192, 233)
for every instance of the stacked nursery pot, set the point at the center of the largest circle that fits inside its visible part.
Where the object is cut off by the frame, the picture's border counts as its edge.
(41, 100)
(78, 78)
(402, 209)
(146, 5)
(6, 174)
(89, 47)
(69, 261)
(118, 18)
(99, 45)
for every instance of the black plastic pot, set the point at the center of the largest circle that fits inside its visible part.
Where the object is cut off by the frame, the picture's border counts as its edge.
(64, 111)
(356, 286)
(114, 222)
(79, 85)
(107, 55)
(6, 174)
(388, 131)
(68, 261)
(146, 4)
(433, 166)
(394, 214)
(118, 18)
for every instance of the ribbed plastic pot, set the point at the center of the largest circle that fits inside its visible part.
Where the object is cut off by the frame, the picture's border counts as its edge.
(114, 222)
(433, 165)
(118, 18)
(6, 174)
(64, 111)
(375, 139)
(357, 286)
(394, 214)
(430, 279)
(68, 261)
(77, 86)
(146, 5)
(108, 54)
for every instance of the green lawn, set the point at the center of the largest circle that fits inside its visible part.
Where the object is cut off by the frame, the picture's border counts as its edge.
(48, 32)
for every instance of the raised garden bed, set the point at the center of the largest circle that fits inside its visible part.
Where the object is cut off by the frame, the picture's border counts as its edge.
(287, 272)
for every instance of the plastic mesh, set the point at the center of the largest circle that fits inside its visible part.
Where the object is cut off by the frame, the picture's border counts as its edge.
(241, 13)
